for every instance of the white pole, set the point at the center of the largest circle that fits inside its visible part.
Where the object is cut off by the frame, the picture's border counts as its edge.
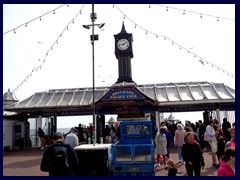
(157, 119)
(218, 114)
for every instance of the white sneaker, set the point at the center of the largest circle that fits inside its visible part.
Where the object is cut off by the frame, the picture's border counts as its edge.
(42, 148)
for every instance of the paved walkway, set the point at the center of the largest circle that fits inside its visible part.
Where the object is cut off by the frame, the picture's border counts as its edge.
(23, 163)
(27, 163)
(208, 170)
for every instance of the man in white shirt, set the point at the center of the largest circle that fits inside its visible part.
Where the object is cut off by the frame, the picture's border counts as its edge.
(72, 138)
(212, 141)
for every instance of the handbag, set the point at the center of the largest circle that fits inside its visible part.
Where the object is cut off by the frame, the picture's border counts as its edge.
(206, 137)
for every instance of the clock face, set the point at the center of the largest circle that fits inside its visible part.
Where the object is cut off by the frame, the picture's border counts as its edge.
(123, 44)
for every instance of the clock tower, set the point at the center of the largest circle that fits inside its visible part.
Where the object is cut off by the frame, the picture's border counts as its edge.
(123, 52)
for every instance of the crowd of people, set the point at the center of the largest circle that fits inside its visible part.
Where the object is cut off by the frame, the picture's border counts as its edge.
(83, 135)
(192, 140)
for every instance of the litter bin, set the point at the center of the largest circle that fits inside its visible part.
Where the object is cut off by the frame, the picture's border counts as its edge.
(94, 160)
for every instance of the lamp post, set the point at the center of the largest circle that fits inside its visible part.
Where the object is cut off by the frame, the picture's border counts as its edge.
(93, 37)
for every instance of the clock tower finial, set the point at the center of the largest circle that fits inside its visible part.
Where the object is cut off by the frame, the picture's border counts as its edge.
(123, 28)
(124, 53)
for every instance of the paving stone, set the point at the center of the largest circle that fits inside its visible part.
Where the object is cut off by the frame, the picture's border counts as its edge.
(27, 163)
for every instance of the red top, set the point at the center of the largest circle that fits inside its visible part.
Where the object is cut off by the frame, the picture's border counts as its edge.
(225, 170)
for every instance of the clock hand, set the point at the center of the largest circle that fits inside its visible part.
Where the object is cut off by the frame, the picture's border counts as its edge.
(121, 44)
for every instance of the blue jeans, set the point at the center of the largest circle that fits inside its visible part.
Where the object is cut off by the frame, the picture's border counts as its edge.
(168, 149)
(180, 153)
(113, 139)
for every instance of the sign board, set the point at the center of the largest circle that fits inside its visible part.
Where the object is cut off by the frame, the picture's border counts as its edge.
(123, 94)
(187, 108)
(129, 112)
(68, 113)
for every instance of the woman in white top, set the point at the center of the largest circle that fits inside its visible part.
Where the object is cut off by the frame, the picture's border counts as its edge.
(212, 140)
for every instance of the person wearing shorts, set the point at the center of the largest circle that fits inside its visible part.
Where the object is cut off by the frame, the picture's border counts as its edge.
(213, 146)
(211, 133)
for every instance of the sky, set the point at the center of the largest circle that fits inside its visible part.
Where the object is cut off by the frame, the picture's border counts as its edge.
(68, 64)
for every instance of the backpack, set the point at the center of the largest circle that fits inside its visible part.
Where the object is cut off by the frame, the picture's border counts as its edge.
(59, 160)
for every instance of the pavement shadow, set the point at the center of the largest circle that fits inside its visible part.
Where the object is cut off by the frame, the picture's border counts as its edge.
(178, 165)
(24, 164)
(19, 153)
(161, 169)
(210, 170)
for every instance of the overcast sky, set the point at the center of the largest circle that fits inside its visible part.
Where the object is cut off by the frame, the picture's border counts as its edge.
(69, 63)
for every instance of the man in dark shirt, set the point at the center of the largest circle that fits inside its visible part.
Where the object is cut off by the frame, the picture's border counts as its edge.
(169, 140)
(225, 127)
(201, 131)
(41, 135)
(71, 160)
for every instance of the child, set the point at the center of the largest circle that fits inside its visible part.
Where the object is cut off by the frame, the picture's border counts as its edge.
(172, 171)
(161, 147)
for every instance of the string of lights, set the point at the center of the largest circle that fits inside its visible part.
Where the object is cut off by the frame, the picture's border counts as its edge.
(50, 49)
(39, 17)
(184, 12)
(199, 58)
